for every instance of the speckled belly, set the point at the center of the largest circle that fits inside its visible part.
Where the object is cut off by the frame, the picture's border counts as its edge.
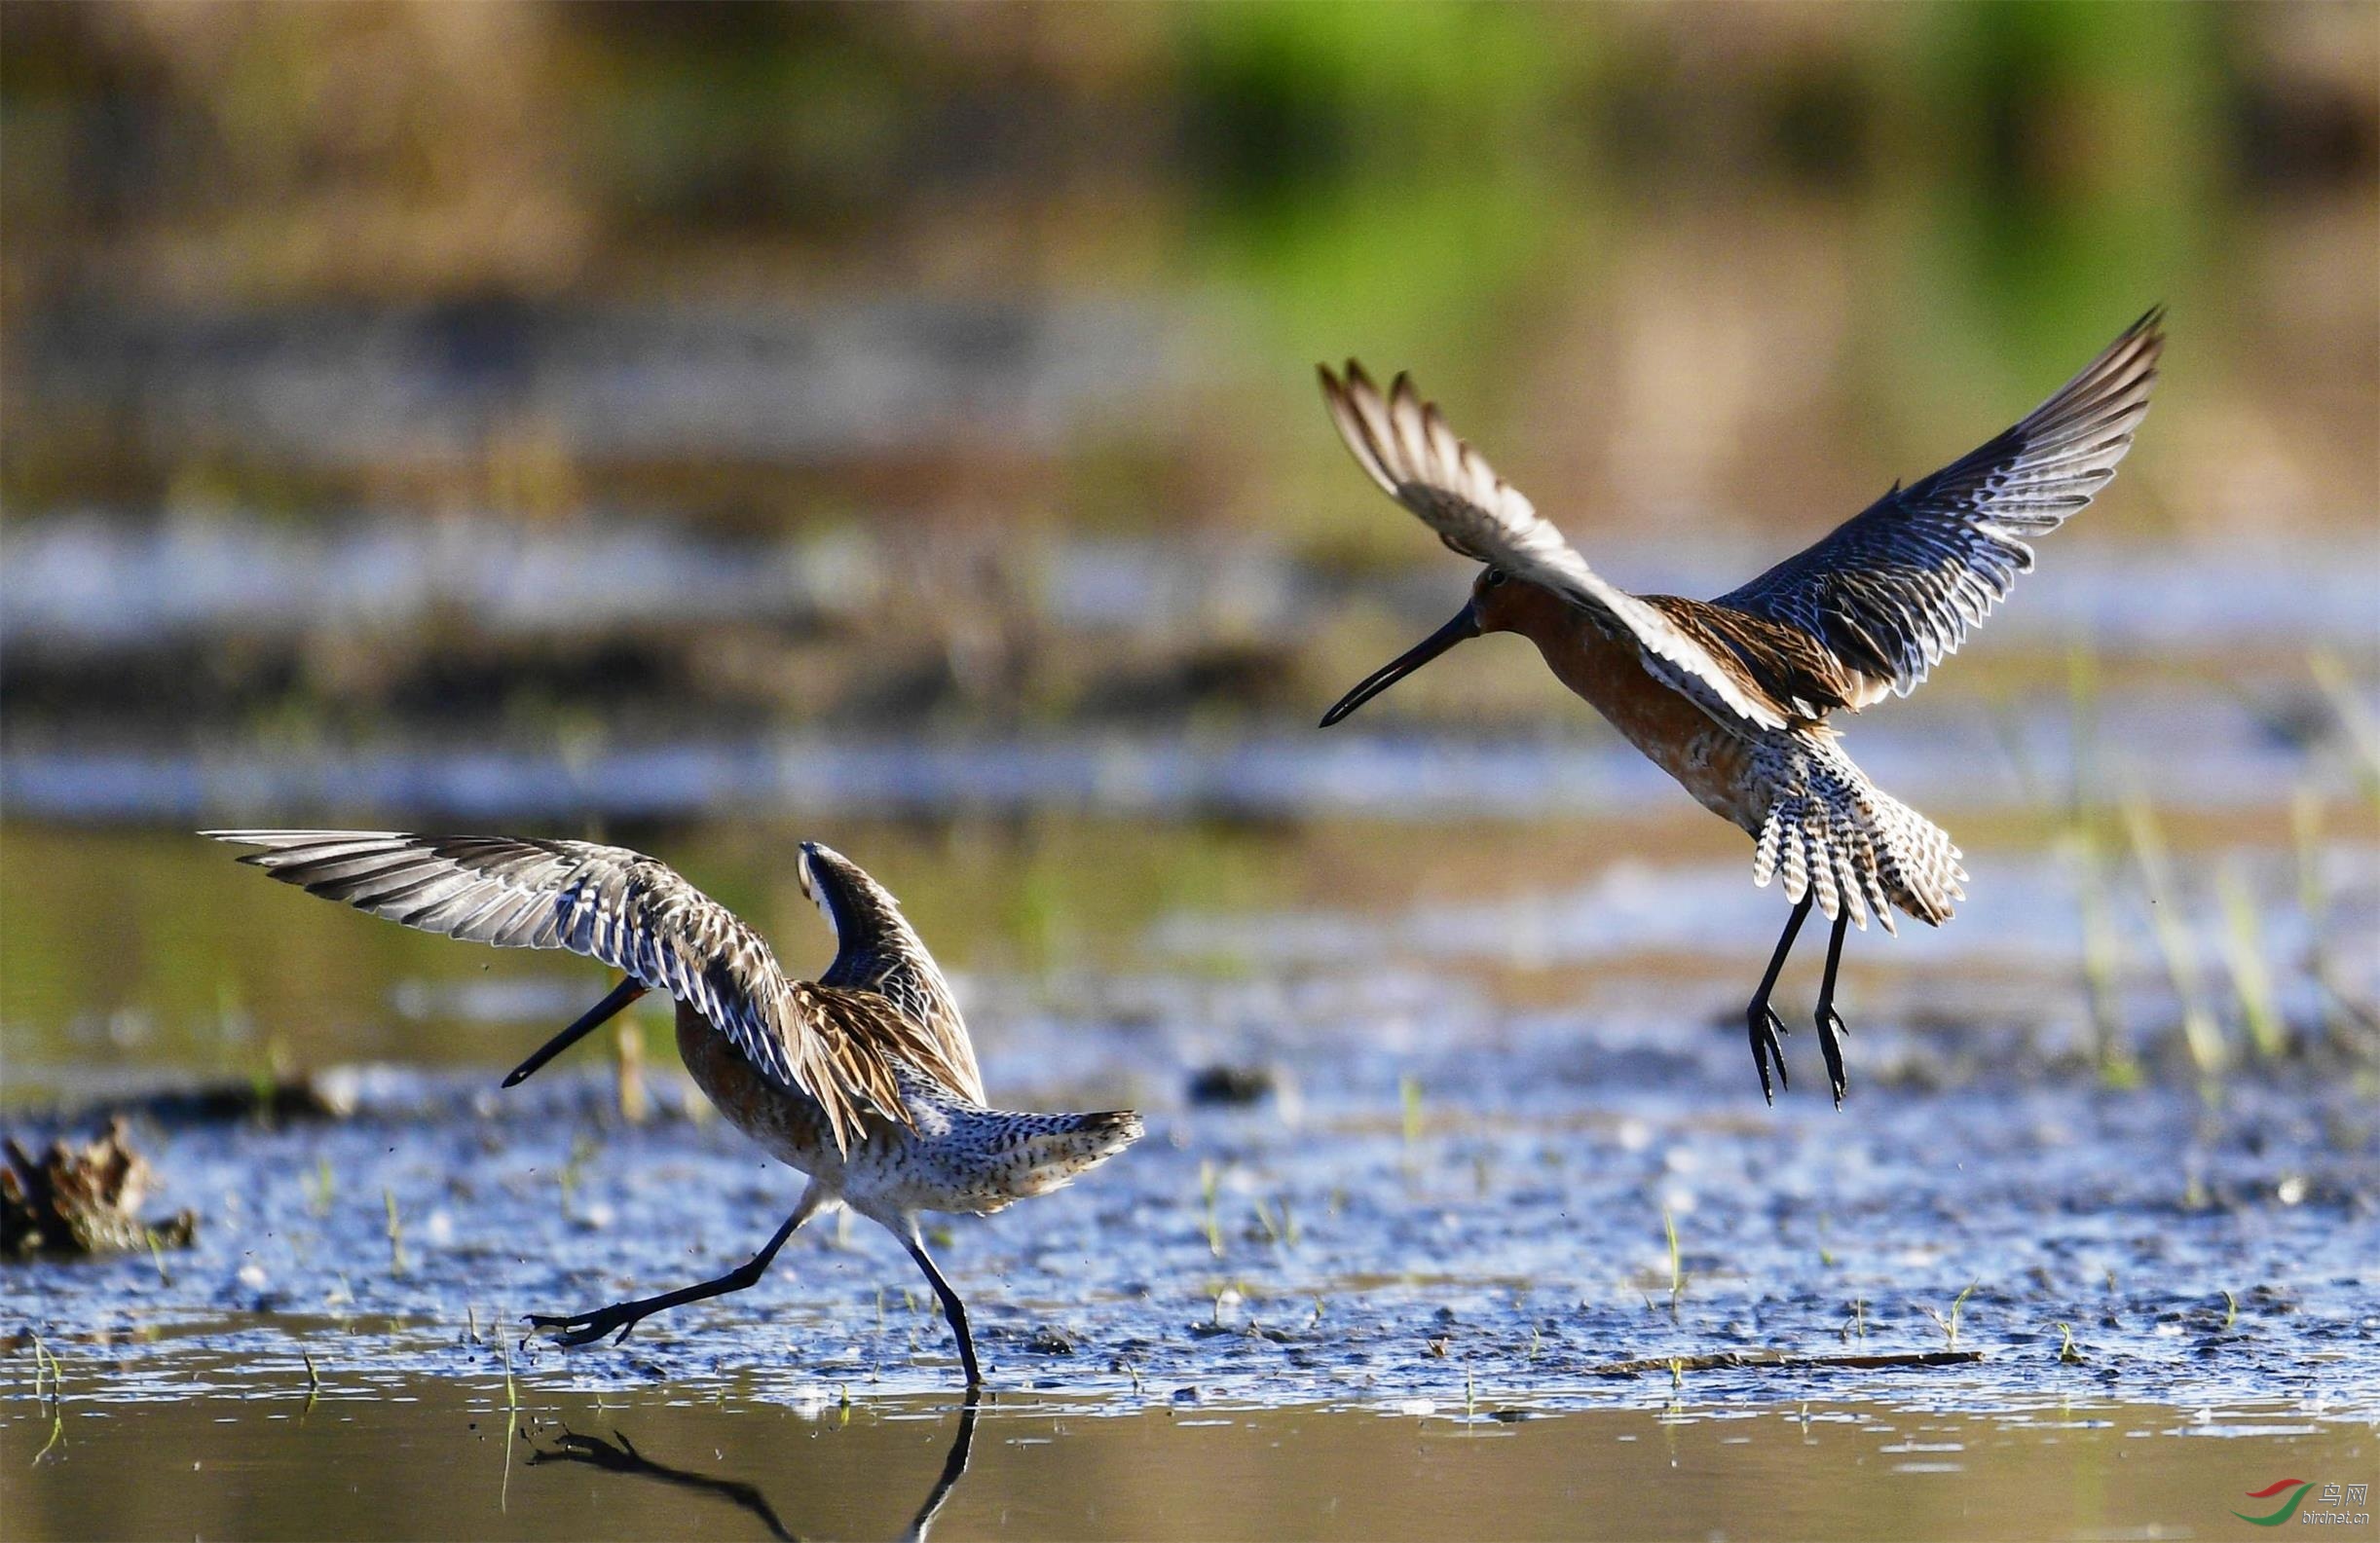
(1709, 760)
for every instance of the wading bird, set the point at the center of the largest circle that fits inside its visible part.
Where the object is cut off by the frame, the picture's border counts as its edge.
(864, 1079)
(1731, 696)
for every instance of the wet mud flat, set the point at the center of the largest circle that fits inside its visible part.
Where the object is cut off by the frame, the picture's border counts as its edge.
(1529, 1252)
(1508, 1286)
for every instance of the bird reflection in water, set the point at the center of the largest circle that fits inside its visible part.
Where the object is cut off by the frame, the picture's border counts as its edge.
(619, 1455)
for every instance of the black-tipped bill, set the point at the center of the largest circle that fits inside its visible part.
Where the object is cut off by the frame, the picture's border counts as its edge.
(1466, 625)
(595, 1017)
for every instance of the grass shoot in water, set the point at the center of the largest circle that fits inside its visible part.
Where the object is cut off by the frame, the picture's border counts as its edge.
(1677, 1267)
(2154, 859)
(2251, 980)
(2103, 953)
(1950, 1325)
(2362, 731)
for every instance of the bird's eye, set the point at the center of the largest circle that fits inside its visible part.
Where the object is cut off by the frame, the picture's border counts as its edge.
(1494, 576)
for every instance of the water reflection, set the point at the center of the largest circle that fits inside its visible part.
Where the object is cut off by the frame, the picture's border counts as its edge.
(1919, 1464)
(620, 1457)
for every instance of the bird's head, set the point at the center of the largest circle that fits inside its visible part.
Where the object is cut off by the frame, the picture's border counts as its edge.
(854, 904)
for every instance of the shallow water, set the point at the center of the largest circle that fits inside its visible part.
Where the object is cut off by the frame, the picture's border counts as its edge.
(396, 1455)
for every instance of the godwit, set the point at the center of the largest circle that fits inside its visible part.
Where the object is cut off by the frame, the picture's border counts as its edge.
(1731, 696)
(864, 1079)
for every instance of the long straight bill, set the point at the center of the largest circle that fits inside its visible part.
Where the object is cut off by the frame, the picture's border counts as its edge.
(1465, 626)
(593, 1018)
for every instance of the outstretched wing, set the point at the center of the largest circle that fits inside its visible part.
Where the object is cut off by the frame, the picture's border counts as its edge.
(1406, 447)
(633, 912)
(1898, 586)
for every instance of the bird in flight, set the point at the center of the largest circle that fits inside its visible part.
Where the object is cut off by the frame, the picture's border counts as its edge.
(864, 1079)
(1734, 697)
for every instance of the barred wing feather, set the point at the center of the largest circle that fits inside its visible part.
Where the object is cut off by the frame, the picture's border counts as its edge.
(1897, 587)
(632, 912)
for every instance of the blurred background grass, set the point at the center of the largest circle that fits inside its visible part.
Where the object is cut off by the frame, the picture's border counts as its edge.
(1841, 232)
(557, 376)
(1679, 267)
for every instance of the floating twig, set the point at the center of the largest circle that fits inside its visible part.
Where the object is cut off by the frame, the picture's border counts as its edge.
(1785, 1361)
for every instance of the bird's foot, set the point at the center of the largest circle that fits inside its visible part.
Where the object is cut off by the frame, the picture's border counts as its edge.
(585, 1327)
(1766, 1026)
(1831, 1032)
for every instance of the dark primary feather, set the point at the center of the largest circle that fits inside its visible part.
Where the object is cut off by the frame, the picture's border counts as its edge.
(632, 912)
(1897, 587)
(1404, 445)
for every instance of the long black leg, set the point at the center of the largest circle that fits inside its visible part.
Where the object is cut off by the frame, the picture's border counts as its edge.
(1831, 1028)
(1762, 1019)
(585, 1327)
(952, 1308)
(589, 1021)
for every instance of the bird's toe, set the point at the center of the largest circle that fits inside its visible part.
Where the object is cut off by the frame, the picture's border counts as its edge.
(579, 1328)
(1831, 1032)
(1766, 1027)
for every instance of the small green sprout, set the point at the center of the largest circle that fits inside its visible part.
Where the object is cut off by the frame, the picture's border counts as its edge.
(1677, 1267)
(1950, 1326)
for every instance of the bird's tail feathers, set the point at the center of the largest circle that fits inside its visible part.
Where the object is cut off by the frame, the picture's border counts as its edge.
(1837, 839)
(1049, 1151)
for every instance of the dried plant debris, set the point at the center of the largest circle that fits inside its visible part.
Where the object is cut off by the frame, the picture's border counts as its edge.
(82, 1200)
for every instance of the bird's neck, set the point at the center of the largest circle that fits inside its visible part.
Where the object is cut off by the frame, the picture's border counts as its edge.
(1605, 671)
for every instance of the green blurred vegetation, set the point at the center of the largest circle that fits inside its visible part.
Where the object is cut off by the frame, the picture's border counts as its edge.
(1904, 222)
(964, 290)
